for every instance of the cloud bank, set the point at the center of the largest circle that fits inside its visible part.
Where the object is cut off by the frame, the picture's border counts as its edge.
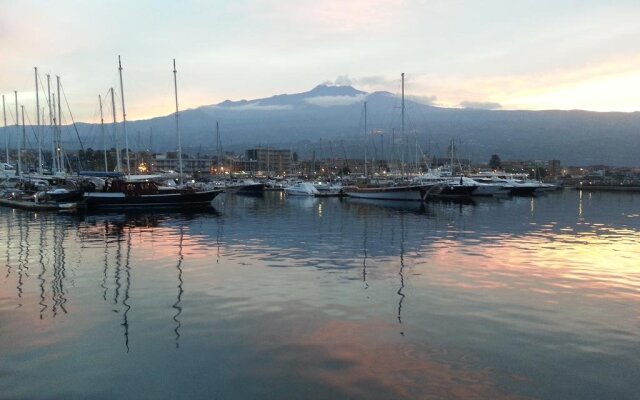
(481, 105)
(331, 101)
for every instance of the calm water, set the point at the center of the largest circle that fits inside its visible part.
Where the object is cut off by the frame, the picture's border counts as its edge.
(325, 299)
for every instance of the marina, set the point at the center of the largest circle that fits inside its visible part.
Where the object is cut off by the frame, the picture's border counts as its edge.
(323, 200)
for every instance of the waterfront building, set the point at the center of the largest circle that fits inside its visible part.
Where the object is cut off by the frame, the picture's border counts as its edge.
(270, 160)
(169, 162)
(554, 168)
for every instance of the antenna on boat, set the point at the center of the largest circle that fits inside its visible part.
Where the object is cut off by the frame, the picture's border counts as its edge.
(175, 87)
(6, 133)
(124, 118)
(39, 133)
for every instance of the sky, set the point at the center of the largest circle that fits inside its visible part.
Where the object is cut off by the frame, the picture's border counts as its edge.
(495, 54)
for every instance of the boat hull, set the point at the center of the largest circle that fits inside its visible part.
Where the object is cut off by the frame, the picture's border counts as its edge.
(488, 190)
(96, 200)
(398, 193)
(453, 191)
(522, 191)
(251, 189)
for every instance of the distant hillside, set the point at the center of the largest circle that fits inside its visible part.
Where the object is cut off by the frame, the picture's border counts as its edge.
(334, 113)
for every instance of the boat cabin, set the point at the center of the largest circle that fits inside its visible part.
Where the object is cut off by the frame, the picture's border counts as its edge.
(137, 188)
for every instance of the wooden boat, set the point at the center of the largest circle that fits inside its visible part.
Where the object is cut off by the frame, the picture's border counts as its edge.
(123, 194)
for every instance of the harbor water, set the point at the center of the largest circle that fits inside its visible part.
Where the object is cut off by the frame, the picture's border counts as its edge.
(325, 298)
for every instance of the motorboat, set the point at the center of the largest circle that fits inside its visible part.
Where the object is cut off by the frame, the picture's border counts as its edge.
(512, 186)
(402, 192)
(245, 186)
(446, 186)
(301, 189)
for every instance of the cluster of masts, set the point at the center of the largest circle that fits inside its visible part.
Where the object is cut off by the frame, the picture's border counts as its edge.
(55, 123)
(54, 102)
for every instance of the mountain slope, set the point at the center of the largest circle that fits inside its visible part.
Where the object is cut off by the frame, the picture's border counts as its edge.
(335, 113)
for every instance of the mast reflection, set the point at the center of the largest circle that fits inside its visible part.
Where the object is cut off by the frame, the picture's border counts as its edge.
(59, 274)
(9, 222)
(118, 233)
(400, 273)
(43, 270)
(176, 305)
(127, 270)
(364, 259)
(22, 260)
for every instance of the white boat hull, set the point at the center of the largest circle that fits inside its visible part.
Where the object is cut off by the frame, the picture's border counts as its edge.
(405, 193)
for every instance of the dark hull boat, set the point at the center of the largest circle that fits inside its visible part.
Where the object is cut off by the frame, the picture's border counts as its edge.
(120, 200)
(522, 190)
(454, 191)
(254, 189)
(123, 195)
(246, 187)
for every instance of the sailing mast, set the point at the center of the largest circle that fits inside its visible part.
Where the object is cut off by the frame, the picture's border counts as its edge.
(115, 132)
(416, 154)
(53, 146)
(59, 137)
(402, 127)
(366, 141)
(54, 154)
(175, 87)
(104, 139)
(39, 133)
(6, 133)
(218, 147)
(124, 118)
(24, 136)
(15, 92)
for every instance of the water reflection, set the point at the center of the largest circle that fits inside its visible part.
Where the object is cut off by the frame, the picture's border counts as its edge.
(274, 288)
(43, 268)
(364, 249)
(176, 305)
(400, 272)
(59, 270)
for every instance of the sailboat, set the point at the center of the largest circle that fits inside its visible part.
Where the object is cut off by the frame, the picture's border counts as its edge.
(120, 193)
(412, 192)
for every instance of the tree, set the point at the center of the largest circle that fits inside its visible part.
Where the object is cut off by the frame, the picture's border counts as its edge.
(495, 162)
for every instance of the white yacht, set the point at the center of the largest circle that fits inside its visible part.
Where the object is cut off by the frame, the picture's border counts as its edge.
(328, 187)
(447, 186)
(301, 189)
(511, 185)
